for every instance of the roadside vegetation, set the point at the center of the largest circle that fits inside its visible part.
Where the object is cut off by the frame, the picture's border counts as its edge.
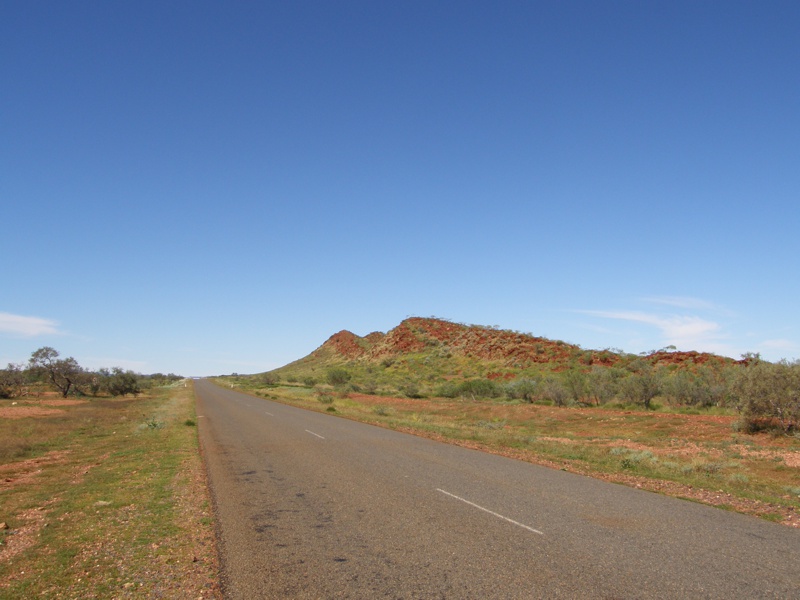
(46, 369)
(102, 491)
(698, 426)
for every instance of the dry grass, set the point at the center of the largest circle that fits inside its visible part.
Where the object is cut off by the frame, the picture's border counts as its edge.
(105, 499)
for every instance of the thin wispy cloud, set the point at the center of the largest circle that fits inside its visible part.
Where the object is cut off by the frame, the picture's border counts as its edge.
(685, 302)
(23, 326)
(678, 330)
(684, 331)
(788, 347)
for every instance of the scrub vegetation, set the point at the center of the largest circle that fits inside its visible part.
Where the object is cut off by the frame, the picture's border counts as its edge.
(688, 424)
(101, 496)
(47, 370)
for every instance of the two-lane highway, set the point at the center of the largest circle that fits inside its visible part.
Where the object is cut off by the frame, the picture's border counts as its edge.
(314, 506)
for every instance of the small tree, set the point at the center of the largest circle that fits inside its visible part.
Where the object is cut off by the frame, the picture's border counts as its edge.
(523, 389)
(715, 384)
(602, 383)
(643, 385)
(575, 382)
(99, 381)
(122, 383)
(769, 392)
(553, 389)
(12, 380)
(685, 388)
(62, 373)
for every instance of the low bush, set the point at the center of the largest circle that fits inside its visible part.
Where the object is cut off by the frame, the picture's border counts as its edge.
(768, 396)
(553, 389)
(338, 376)
(325, 397)
(479, 388)
(522, 389)
(411, 389)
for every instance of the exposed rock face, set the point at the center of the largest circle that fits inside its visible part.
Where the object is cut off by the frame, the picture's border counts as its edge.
(346, 344)
(513, 349)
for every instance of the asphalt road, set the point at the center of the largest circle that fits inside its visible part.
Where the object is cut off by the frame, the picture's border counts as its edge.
(314, 506)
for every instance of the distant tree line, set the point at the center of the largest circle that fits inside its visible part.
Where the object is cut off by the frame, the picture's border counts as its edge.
(765, 394)
(47, 369)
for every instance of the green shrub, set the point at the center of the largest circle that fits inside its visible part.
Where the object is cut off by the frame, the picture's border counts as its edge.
(269, 378)
(448, 389)
(338, 376)
(325, 397)
(602, 383)
(576, 384)
(411, 389)
(768, 396)
(121, 383)
(553, 390)
(152, 423)
(633, 458)
(522, 389)
(642, 385)
(479, 388)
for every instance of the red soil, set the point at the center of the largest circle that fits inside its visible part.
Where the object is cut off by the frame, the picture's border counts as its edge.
(513, 349)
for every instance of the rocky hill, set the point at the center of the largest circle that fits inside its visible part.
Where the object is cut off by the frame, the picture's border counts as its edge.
(509, 351)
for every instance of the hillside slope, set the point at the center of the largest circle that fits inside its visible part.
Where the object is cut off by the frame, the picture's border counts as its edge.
(509, 348)
(436, 350)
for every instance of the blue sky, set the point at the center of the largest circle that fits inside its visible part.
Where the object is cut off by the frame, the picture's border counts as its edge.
(208, 187)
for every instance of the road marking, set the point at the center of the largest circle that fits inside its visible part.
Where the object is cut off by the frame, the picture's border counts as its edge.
(316, 434)
(499, 516)
(270, 414)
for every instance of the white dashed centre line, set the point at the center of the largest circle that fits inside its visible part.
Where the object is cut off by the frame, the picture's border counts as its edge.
(316, 434)
(491, 512)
